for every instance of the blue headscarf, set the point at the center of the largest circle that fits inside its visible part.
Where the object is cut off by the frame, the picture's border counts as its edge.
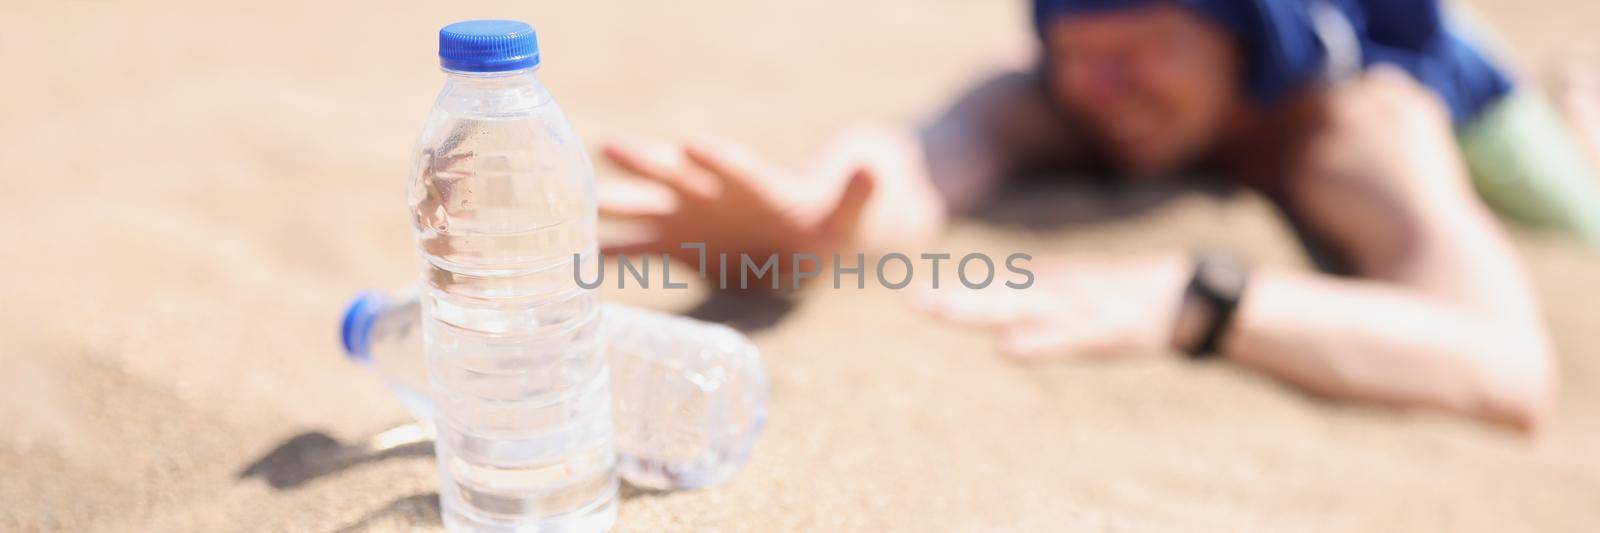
(1285, 49)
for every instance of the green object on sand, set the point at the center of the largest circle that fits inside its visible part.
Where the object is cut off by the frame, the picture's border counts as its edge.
(1527, 166)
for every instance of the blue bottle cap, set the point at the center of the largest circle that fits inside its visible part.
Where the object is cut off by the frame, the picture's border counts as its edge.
(488, 46)
(357, 326)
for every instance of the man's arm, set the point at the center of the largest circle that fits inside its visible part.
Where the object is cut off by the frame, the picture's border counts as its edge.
(875, 188)
(1443, 315)
(1004, 125)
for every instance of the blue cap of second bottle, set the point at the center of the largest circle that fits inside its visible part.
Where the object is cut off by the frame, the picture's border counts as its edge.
(488, 46)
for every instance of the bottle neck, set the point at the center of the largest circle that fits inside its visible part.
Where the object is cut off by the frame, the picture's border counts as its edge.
(493, 80)
(509, 91)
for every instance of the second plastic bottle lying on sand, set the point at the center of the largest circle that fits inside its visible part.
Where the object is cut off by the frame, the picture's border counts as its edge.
(689, 398)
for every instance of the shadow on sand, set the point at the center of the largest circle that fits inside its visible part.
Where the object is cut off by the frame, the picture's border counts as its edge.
(409, 512)
(746, 311)
(311, 455)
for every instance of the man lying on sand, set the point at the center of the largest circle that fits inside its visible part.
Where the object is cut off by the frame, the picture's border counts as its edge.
(1367, 122)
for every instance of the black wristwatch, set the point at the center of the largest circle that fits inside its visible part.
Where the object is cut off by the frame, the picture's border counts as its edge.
(1219, 282)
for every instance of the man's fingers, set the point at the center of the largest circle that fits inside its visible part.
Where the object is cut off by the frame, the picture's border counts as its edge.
(656, 163)
(634, 200)
(980, 308)
(845, 217)
(1036, 342)
(1086, 340)
(733, 166)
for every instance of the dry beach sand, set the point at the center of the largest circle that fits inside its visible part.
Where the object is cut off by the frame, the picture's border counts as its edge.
(195, 189)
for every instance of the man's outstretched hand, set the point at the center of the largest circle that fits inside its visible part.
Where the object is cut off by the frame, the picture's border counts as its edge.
(1077, 308)
(730, 199)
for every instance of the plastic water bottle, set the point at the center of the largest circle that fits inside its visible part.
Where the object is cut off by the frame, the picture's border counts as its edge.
(502, 199)
(384, 334)
(689, 397)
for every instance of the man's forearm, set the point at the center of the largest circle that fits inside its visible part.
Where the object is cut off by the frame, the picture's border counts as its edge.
(905, 209)
(1381, 342)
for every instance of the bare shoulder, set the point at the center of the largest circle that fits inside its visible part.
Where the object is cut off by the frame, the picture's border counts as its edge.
(1381, 172)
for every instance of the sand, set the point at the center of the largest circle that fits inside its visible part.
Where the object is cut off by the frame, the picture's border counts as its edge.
(196, 189)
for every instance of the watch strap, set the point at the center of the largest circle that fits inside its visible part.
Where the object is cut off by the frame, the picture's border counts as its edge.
(1219, 282)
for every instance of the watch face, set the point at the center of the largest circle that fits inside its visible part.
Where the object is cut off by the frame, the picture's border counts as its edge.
(1222, 275)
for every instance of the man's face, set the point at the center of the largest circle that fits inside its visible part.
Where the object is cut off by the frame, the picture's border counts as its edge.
(1155, 84)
